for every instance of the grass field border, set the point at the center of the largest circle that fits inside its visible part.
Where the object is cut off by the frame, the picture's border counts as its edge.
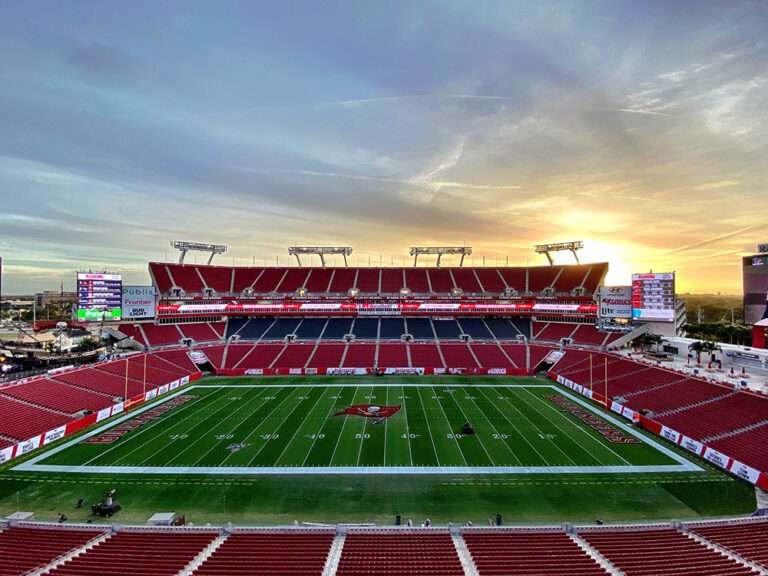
(683, 464)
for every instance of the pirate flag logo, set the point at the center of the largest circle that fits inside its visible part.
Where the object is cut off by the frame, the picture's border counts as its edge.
(378, 413)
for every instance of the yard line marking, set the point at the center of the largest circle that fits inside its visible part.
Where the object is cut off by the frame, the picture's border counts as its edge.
(343, 425)
(464, 415)
(386, 423)
(266, 443)
(264, 420)
(455, 439)
(239, 423)
(195, 426)
(306, 416)
(579, 428)
(552, 442)
(362, 436)
(523, 436)
(407, 428)
(322, 425)
(519, 461)
(143, 429)
(429, 428)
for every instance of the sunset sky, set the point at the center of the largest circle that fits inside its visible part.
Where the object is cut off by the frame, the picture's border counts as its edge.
(638, 127)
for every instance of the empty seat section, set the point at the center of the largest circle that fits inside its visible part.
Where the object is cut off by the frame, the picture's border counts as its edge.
(392, 328)
(382, 553)
(523, 553)
(108, 379)
(541, 277)
(360, 356)
(255, 328)
(516, 353)
(269, 554)
(420, 328)
(502, 328)
(748, 538)
(219, 278)
(162, 334)
(293, 280)
(200, 332)
(133, 331)
(588, 335)
(595, 277)
(177, 360)
(185, 276)
(570, 277)
(343, 280)
(391, 280)
(235, 353)
(269, 280)
(162, 279)
(662, 552)
(366, 328)
(425, 356)
(235, 324)
(260, 356)
(491, 356)
(553, 331)
(466, 280)
(490, 279)
(393, 356)
(440, 280)
(446, 329)
(138, 553)
(523, 325)
(327, 356)
(416, 280)
(457, 356)
(538, 355)
(749, 447)
(310, 328)
(294, 356)
(215, 355)
(368, 280)
(475, 327)
(22, 421)
(318, 281)
(245, 278)
(281, 328)
(516, 278)
(25, 549)
(58, 396)
(337, 328)
(729, 413)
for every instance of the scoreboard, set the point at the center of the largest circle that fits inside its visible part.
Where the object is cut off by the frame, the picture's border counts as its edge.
(99, 296)
(653, 297)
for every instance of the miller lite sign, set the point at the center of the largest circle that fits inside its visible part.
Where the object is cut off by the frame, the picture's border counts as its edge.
(615, 302)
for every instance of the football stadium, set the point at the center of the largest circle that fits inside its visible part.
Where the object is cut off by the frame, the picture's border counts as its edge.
(410, 288)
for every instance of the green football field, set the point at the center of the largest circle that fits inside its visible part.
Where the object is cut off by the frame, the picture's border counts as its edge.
(220, 428)
(271, 450)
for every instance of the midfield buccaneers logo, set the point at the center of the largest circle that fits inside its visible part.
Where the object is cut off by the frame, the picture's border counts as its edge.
(378, 413)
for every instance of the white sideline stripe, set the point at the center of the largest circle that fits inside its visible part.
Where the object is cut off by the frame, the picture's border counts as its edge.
(684, 465)
(339, 470)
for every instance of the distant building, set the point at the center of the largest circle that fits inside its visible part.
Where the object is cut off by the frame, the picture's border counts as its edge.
(55, 298)
(755, 282)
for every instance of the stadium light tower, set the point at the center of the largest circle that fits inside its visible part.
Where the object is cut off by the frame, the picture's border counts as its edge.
(571, 247)
(321, 251)
(184, 247)
(416, 251)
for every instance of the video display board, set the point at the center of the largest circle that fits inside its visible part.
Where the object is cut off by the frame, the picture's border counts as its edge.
(653, 297)
(615, 302)
(138, 302)
(99, 296)
(755, 281)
